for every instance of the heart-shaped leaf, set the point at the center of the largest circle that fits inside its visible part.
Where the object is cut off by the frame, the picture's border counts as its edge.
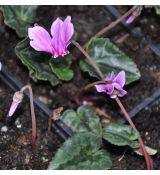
(81, 152)
(61, 67)
(109, 58)
(19, 17)
(84, 120)
(120, 135)
(36, 62)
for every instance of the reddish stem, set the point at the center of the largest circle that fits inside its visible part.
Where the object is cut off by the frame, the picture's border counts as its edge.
(114, 23)
(90, 60)
(128, 118)
(32, 113)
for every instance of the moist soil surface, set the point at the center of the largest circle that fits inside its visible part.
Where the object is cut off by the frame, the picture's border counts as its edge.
(15, 134)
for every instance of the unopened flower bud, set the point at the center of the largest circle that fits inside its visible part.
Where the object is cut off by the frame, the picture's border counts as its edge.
(130, 19)
(17, 98)
(134, 15)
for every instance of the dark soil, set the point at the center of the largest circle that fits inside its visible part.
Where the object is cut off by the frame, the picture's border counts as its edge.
(15, 137)
(15, 146)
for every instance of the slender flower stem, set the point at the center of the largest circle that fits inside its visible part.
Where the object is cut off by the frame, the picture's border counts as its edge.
(114, 23)
(91, 61)
(89, 86)
(32, 113)
(128, 118)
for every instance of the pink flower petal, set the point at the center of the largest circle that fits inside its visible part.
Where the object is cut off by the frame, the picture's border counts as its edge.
(13, 107)
(122, 92)
(56, 27)
(40, 39)
(120, 78)
(109, 89)
(68, 30)
(120, 89)
(100, 88)
(111, 77)
(130, 19)
(113, 96)
(57, 42)
(117, 86)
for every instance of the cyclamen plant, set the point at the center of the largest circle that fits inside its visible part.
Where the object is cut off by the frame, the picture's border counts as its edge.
(116, 83)
(97, 65)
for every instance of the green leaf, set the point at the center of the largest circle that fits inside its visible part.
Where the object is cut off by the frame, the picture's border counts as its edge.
(120, 135)
(61, 67)
(84, 120)
(19, 17)
(109, 58)
(36, 62)
(81, 152)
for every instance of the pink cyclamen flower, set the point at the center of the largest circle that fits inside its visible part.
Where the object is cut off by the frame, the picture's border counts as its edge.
(115, 85)
(57, 42)
(130, 19)
(17, 99)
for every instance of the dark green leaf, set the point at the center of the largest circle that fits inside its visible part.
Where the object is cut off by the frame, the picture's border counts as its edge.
(84, 120)
(81, 152)
(61, 67)
(109, 58)
(19, 17)
(120, 135)
(37, 62)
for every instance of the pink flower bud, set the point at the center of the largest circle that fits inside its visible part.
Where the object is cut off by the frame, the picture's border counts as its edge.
(130, 19)
(17, 98)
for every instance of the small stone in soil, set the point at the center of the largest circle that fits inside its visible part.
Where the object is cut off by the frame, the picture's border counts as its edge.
(27, 160)
(148, 138)
(4, 129)
(43, 99)
(44, 159)
(146, 133)
(18, 124)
